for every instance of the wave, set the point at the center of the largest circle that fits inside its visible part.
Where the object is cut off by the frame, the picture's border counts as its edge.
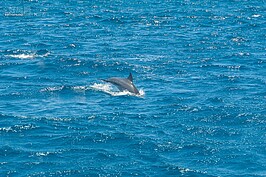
(20, 54)
(23, 56)
(52, 89)
(17, 128)
(107, 88)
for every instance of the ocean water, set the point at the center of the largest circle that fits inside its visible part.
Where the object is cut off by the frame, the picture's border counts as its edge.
(200, 67)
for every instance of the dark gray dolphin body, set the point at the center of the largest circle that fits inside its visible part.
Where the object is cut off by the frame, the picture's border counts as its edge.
(123, 83)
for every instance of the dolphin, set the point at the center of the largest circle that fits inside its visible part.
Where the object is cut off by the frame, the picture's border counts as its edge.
(123, 83)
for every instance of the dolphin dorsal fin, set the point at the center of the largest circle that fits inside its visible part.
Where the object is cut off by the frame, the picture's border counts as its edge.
(130, 77)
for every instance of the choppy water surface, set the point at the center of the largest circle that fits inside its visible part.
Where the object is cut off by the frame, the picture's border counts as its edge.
(200, 66)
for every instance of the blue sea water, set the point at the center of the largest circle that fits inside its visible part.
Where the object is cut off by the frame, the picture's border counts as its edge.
(200, 66)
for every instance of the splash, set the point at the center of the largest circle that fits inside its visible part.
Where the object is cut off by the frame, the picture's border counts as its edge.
(107, 88)
(80, 88)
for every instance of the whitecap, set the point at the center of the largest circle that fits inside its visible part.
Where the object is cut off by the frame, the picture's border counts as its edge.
(256, 15)
(29, 55)
(14, 15)
(39, 154)
(22, 56)
(6, 129)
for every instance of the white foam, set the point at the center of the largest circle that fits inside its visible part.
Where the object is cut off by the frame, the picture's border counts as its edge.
(28, 55)
(107, 88)
(79, 88)
(42, 154)
(23, 56)
(14, 15)
(256, 15)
